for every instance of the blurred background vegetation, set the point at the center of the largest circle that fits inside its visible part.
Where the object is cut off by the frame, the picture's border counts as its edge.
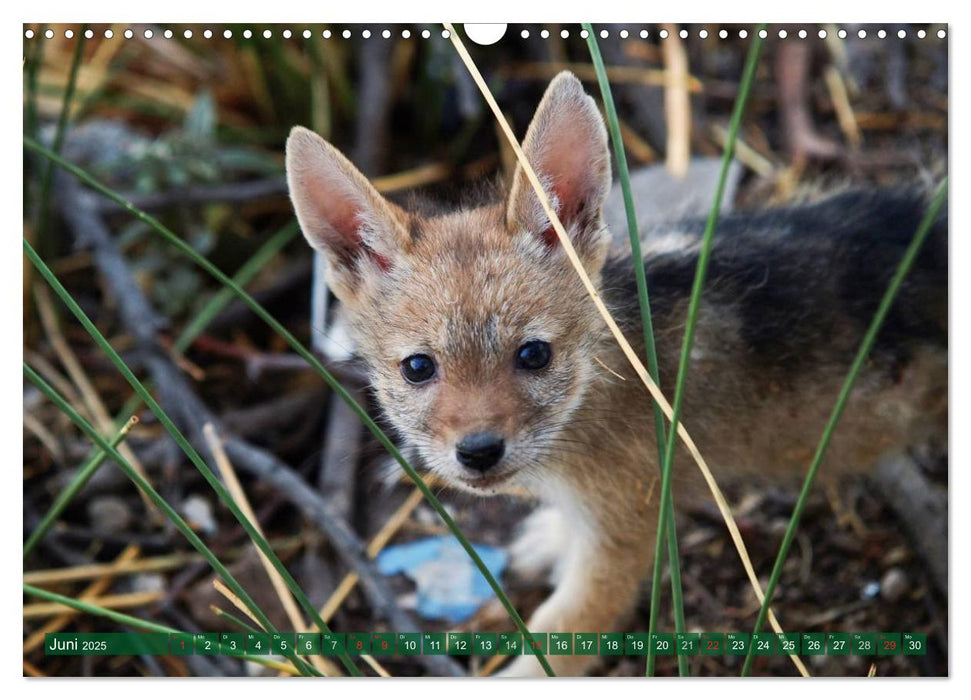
(192, 130)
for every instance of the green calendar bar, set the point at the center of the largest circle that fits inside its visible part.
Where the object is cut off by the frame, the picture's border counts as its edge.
(635, 643)
(258, 643)
(540, 644)
(232, 643)
(358, 643)
(409, 643)
(662, 643)
(737, 643)
(888, 644)
(712, 643)
(688, 643)
(459, 643)
(838, 643)
(611, 643)
(585, 643)
(561, 643)
(382, 644)
(864, 643)
(788, 643)
(813, 643)
(433, 644)
(283, 643)
(487, 643)
(308, 643)
(332, 643)
(105, 644)
(914, 643)
(182, 645)
(510, 643)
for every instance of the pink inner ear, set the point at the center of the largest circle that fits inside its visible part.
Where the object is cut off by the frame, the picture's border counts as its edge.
(381, 260)
(550, 238)
(345, 219)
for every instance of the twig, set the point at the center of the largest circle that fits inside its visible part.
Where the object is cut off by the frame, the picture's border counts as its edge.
(141, 321)
(45, 436)
(279, 585)
(377, 543)
(56, 379)
(93, 402)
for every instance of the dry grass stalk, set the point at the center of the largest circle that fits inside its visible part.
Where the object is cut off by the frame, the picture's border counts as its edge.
(46, 437)
(279, 585)
(377, 543)
(120, 601)
(841, 104)
(149, 564)
(89, 395)
(622, 341)
(677, 103)
(746, 155)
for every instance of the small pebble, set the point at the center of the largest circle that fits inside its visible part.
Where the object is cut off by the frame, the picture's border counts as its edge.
(109, 514)
(148, 583)
(894, 585)
(198, 511)
(870, 591)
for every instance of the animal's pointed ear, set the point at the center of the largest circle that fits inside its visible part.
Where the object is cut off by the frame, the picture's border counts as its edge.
(340, 213)
(566, 144)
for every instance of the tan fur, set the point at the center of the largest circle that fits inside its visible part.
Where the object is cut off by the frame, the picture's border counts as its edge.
(470, 287)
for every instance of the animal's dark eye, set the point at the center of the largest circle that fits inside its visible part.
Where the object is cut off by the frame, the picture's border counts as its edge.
(533, 355)
(418, 369)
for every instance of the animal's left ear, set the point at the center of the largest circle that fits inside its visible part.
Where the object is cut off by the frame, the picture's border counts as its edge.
(566, 145)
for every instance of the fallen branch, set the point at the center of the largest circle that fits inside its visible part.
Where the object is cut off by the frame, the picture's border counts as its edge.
(142, 322)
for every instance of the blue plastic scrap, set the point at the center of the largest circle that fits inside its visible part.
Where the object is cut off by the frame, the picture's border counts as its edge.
(449, 586)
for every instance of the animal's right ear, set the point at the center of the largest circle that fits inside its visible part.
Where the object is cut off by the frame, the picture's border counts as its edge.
(341, 214)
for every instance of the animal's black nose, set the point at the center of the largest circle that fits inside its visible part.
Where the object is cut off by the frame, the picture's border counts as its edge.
(480, 451)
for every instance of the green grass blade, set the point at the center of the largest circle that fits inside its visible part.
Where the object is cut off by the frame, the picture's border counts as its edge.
(192, 330)
(613, 126)
(217, 302)
(301, 350)
(180, 440)
(33, 64)
(67, 495)
(121, 618)
(239, 622)
(47, 178)
(243, 276)
(148, 490)
(748, 77)
(923, 230)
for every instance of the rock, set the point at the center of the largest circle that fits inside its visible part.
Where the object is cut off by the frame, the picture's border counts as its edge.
(198, 511)
(109, 514)
(148, 583)
(894, 585)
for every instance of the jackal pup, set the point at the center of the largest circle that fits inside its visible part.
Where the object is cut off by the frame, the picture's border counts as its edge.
(489, 358)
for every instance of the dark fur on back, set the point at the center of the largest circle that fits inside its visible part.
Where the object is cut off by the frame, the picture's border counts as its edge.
(805, 280)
